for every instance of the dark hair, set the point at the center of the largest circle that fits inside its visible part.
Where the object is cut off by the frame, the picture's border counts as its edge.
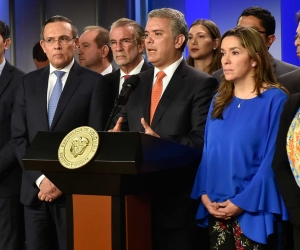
(252, 41)
(4, 30)
(38, 53)
(55, 19)
(265, 16)
(214, 32)
(298, 16)
(101, 39)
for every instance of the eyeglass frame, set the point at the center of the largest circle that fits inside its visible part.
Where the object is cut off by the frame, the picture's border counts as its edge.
(59, 40)
(121, 42)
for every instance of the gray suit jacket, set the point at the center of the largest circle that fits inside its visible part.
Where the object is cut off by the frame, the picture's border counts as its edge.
(291, 81)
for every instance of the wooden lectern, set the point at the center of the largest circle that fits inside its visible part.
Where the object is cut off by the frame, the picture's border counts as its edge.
(108, 201)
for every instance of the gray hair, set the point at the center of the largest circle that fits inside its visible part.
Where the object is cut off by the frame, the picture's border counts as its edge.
(178, 24)
(125, 22)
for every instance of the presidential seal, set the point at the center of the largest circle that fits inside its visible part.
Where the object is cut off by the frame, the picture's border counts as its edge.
(78, 147)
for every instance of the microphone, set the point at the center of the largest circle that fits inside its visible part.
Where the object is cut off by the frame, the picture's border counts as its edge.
(128, 86)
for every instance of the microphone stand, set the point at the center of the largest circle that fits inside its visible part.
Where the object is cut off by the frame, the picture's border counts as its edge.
(117, 106)
(128, 86)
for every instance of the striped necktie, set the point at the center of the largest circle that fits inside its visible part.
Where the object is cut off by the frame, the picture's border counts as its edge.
(54, 98)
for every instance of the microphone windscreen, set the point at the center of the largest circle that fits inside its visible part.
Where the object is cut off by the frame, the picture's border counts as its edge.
(133, 81)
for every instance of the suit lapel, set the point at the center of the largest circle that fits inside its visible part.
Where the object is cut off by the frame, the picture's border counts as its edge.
(170, 92)
(146, 94)
(5, 76)
(41, 88)
(116, 82)
(71, 85)
(145, 66)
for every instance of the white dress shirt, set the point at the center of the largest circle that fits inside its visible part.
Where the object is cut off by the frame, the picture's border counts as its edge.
(51, 83)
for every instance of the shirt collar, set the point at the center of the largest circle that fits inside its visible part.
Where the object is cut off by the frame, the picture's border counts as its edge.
(108, 70)
(65, 69)
(169, 71)
(2, 66)
(135, 71)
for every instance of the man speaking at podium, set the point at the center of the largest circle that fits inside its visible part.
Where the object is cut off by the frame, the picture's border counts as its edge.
(60, 97)
(171, 102)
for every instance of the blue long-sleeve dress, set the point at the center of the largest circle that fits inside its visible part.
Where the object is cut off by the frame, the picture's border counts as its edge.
(237, 163)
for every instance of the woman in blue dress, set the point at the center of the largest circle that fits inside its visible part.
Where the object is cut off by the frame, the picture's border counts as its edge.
(239, 199)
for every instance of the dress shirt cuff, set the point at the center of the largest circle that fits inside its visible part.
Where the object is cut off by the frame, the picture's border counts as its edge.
(39, 180)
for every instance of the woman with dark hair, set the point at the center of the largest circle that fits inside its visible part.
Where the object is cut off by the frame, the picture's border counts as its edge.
(239, 200)
(203, 45)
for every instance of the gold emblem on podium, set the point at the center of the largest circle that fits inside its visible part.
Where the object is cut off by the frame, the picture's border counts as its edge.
(78, 147)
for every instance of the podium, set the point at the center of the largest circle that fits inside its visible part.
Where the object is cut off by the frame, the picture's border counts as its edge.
(120, 174)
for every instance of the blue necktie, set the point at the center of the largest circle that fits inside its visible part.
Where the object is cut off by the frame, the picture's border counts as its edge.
(54, 98)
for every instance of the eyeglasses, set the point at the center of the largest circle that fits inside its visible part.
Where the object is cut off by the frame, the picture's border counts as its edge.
(61, 40)
(123, 43)
(296, 37)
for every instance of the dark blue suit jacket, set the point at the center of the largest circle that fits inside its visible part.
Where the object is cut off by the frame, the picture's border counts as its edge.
(113, 81)
(10, 171)
(83, 102)
(180, 117)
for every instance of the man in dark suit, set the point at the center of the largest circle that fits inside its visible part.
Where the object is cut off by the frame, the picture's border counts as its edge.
(94, 51)
(183, 101)
(291, 80)
(11, 210)
(127, 44)
(83, 102)
(263, 21)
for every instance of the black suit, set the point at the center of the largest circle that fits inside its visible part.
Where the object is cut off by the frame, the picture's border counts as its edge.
(279, 67)
(291, 81)
(285, 179)
(11, 210)
(113, 81)
(180, 117)
(83, 102)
